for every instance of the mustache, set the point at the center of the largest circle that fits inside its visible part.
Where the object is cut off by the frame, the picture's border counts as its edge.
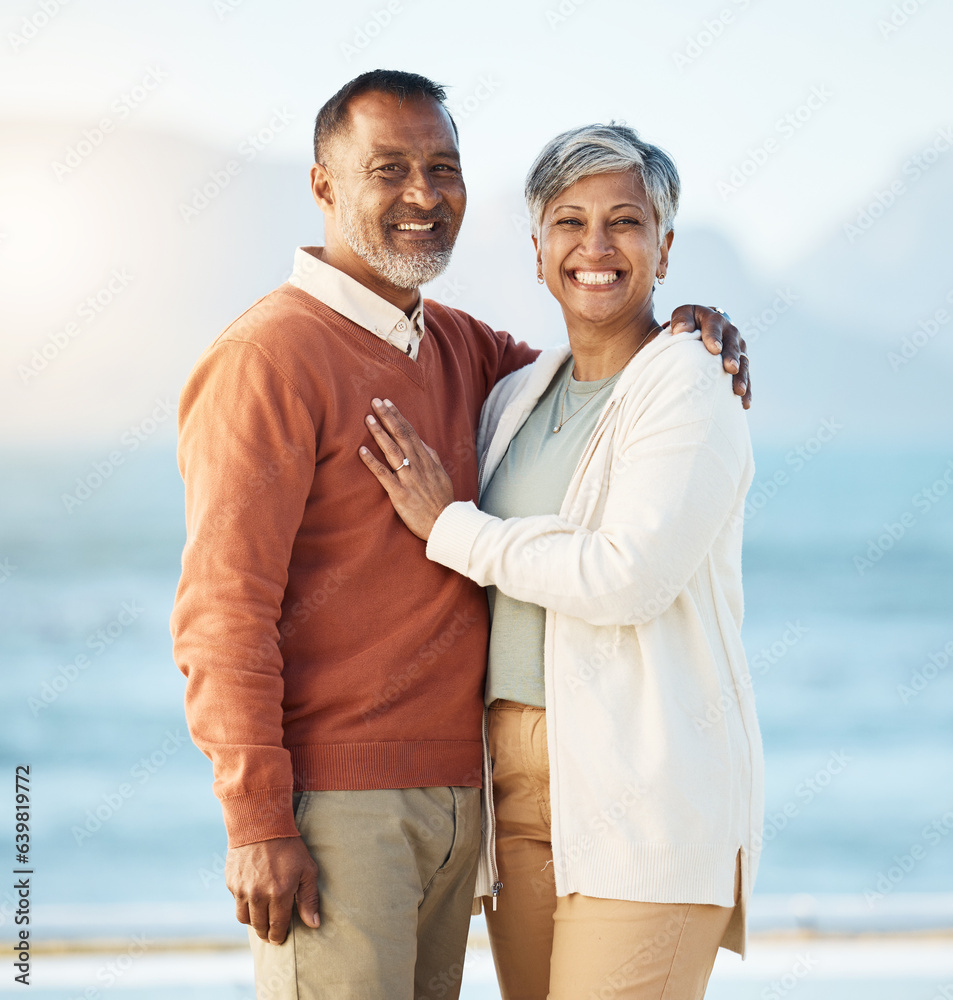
(441, 213)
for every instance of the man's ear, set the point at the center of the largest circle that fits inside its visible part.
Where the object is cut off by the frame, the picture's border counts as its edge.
(322, 187)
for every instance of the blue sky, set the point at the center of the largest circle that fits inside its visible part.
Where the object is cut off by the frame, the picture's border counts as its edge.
(844, 93)
(791, 122)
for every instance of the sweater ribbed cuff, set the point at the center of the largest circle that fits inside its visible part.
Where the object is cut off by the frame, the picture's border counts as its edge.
(453, 535)
(264, 814)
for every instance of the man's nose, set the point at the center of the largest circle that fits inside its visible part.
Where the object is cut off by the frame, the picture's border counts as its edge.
(421, 190)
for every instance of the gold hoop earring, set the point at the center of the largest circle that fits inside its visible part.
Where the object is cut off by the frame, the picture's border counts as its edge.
(660, 278)
(539, 277)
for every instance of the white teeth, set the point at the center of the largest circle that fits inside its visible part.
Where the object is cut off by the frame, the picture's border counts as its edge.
(595, 277)
(415, 226)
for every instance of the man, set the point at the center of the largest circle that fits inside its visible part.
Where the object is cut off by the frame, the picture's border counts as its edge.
(335, 675)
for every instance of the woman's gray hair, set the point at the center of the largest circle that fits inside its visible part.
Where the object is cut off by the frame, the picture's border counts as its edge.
(602, 149)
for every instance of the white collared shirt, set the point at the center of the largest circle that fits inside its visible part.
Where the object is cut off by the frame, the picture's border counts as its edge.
(356, 302)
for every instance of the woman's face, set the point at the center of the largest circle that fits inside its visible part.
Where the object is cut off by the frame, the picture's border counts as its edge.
(599, 249)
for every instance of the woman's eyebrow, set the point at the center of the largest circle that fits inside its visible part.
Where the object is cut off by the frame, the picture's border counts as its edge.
(624, 204)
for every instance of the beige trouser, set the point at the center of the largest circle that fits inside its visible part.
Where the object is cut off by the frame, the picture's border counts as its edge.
(396, 869)
(576, 947)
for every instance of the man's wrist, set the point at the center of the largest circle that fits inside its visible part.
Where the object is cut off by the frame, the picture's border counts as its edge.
(262, 814)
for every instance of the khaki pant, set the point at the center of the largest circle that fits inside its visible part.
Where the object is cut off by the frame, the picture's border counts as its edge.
(576, 947)
(396, 870)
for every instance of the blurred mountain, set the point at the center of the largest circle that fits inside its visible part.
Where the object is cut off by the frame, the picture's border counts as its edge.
(888, 265)
(199, 233)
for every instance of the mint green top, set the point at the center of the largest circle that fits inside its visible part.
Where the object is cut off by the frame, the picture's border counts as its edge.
(533, 479)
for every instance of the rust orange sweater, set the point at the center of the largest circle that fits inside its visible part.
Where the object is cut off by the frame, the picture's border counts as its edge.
(323, 650)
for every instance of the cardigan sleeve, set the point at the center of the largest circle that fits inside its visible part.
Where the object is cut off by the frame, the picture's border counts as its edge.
(673, 480)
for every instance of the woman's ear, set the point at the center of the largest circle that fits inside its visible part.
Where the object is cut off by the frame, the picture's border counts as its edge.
(664, 248)
(539, 253)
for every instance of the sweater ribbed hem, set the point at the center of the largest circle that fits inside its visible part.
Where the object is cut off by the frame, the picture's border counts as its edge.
(264, 814)
(327, 767)
(649, 873)
(453, 535)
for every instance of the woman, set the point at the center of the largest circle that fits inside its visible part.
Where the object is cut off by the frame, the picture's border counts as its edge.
(621, 851)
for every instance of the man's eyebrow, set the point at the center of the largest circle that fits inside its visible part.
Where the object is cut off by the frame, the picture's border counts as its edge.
(379, 154)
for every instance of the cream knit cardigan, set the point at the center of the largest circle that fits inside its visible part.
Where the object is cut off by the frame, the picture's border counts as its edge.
(654, 749)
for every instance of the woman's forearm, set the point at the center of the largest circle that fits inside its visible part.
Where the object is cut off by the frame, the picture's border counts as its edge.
(663, 512)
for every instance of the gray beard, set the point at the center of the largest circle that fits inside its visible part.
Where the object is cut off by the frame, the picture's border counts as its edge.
(400, 269)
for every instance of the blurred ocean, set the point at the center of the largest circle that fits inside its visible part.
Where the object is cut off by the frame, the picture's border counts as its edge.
(859, 750)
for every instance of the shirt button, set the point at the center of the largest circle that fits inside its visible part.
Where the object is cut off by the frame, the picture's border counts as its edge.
(402, 325)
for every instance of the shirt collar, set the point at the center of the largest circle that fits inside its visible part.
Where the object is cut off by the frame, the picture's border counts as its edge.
(356, 302)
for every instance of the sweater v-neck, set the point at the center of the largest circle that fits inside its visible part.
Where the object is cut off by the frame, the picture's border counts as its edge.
(417, 371)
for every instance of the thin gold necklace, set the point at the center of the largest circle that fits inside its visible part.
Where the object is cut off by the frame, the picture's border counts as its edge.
(598, 388)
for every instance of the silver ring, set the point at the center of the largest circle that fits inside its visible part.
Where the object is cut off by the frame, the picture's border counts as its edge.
(721, 312)
(745, 356)
(403, 465)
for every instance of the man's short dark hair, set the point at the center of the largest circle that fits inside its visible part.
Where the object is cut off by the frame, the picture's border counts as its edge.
(332, 119)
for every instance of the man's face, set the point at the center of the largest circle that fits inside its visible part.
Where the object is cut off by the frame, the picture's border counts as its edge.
(398, 195)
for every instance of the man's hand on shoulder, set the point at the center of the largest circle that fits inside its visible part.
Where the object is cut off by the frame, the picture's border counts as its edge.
(720, 336)
(266, 878)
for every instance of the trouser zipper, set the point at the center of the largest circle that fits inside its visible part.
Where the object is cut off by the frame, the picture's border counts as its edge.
(496, 884)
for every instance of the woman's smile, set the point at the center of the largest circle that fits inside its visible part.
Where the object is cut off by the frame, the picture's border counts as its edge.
(599, 252)
(594, 279)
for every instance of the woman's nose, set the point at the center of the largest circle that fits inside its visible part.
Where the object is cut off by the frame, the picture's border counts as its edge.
(596, 242)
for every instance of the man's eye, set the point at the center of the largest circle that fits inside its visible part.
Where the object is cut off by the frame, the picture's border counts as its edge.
(447, 168)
